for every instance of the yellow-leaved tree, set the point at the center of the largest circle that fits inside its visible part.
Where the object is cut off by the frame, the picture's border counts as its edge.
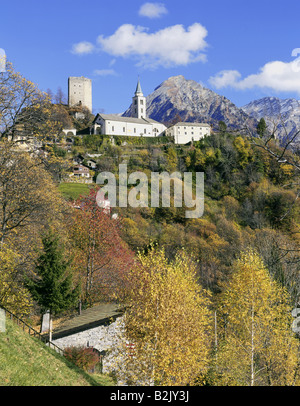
(167, 321)
(13, 295)
(256, 345)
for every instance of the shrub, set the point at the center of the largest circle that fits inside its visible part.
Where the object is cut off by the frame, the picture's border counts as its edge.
(85, 358)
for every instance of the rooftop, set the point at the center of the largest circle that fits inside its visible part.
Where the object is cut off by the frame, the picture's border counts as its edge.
(116, 117)
(186, 124)
(95, 316)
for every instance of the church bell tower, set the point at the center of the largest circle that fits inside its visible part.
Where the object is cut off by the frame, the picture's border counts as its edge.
(139, 103)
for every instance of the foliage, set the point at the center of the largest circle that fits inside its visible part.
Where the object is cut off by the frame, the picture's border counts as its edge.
(19, 101)
(167, 319)
(142, 140)
(101, 257)
(23, 200)
(85, 358)
(13, 295)
(261, 127)
(52, 287)
(257, 346)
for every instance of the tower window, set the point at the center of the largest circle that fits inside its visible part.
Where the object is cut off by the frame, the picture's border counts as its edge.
(142, 102)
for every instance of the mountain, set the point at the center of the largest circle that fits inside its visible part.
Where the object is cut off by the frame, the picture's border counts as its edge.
(277, 111)
(179, 99)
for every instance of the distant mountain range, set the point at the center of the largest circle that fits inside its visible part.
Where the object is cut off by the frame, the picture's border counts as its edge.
(179, 99)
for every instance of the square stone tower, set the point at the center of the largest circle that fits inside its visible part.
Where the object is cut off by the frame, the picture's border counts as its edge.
(80, 92)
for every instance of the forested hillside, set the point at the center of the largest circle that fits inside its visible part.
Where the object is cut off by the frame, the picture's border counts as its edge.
(250, 200)
(208, 300)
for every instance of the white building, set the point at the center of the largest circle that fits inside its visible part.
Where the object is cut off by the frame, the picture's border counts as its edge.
(112, 124)
(136, 126)
(186, 132)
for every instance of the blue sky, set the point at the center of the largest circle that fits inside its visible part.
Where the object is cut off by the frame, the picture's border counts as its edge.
(240, 49)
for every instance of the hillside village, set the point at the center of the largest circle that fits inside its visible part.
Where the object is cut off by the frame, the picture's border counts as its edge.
(154, 295)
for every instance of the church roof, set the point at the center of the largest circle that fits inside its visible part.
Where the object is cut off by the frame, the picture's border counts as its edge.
(116, 117)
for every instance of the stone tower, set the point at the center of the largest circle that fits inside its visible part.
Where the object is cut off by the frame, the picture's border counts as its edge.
(80, 92)
(139, 108)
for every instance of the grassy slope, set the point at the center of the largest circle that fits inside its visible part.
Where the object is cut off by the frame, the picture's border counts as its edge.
(72, 191)
(25, 361)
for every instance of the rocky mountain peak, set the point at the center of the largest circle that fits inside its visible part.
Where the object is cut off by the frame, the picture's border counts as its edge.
(179, 99)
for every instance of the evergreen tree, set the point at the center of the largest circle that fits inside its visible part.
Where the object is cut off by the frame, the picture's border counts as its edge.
(222, 126)
(52, 285)
(261, 127)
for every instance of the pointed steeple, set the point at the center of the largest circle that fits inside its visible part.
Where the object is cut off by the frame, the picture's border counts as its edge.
(138, 91)
(139, 102)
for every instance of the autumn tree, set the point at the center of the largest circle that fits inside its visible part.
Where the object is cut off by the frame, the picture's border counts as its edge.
(101, 256)
(167, 320)
(60, 97)
(13, 294)
(257, 345)
(27, 194)
(23, 107)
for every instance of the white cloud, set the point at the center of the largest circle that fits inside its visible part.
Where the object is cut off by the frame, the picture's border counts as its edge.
(170, 46)
(83, 47)
(153, 10)
(276, 75)
(105, 72)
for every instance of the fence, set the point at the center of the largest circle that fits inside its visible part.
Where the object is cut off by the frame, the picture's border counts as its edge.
(32, 332)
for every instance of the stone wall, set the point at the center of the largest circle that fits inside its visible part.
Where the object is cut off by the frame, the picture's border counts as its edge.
(103, 338)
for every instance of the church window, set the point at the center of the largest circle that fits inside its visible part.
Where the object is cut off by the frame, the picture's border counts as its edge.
(113, 128)
(142, 102)
(134, 130)
(145, 131)
(123, 129)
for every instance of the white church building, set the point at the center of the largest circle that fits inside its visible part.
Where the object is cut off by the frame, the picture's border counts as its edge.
(135, 126)
(140, 125)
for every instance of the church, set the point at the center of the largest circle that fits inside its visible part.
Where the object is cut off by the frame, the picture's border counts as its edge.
(135, 126)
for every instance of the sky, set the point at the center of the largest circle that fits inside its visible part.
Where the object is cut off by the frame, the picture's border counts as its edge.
(243, 50)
